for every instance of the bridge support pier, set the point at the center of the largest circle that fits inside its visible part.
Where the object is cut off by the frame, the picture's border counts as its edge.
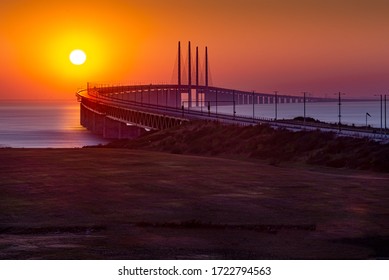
(107, 127)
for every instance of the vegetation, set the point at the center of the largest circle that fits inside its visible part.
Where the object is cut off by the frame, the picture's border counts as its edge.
(265, 143)
(127, 204)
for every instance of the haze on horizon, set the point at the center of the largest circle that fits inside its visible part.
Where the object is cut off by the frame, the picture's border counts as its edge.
(287, 45)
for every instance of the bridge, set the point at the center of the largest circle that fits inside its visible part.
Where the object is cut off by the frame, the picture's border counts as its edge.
(126, 111)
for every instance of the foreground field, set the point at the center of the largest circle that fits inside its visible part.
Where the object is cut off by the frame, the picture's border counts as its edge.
(127, 204)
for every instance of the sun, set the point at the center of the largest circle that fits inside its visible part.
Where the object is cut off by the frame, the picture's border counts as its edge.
(77, 57)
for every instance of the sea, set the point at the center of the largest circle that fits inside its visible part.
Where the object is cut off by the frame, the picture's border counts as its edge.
(356, 113)
(56, 124)
(43, 124)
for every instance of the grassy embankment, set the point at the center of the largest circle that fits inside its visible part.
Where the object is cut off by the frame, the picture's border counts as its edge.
(263, 142)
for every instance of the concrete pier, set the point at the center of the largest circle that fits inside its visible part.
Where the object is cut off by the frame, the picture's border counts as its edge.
(106, 126)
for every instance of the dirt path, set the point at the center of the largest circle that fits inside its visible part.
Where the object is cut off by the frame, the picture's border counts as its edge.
(127, 204)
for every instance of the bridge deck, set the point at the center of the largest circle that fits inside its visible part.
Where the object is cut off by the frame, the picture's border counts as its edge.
(139, 105)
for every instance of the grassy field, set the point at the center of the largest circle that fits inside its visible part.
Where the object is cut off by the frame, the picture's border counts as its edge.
(129, 204)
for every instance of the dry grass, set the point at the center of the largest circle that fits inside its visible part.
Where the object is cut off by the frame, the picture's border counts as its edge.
(127, 204)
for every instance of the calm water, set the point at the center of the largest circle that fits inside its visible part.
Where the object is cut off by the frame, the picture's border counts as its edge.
(351, 112)
(39, 124)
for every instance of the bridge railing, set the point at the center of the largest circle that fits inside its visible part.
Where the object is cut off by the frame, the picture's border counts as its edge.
(183, 112)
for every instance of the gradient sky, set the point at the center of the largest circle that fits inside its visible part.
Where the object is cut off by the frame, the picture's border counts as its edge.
(291, 46)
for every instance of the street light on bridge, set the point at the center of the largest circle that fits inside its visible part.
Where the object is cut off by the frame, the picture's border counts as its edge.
(340, 112)
(304, 93)
(275, 103)
(380, 95)
(253, 106)
(367, 115)
(385, 113)
(233, 102)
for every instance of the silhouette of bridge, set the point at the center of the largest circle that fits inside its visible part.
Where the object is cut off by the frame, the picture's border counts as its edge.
(126, 111)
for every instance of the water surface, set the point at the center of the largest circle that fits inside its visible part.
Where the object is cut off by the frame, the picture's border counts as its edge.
(42, 124)
(351, 112)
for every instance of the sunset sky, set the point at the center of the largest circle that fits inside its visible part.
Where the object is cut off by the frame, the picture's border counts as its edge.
(287, 45)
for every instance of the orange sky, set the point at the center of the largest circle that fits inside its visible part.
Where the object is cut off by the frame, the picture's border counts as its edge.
(263, 45)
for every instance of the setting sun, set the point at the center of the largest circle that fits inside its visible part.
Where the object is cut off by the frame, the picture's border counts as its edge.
(77, 57)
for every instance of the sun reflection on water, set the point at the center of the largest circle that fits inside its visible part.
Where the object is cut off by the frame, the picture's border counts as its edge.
(43, 124)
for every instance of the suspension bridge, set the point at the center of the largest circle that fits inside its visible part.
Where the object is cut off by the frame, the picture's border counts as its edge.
(126, 111)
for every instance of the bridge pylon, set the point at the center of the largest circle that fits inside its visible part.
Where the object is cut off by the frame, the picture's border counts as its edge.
(196, 74)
